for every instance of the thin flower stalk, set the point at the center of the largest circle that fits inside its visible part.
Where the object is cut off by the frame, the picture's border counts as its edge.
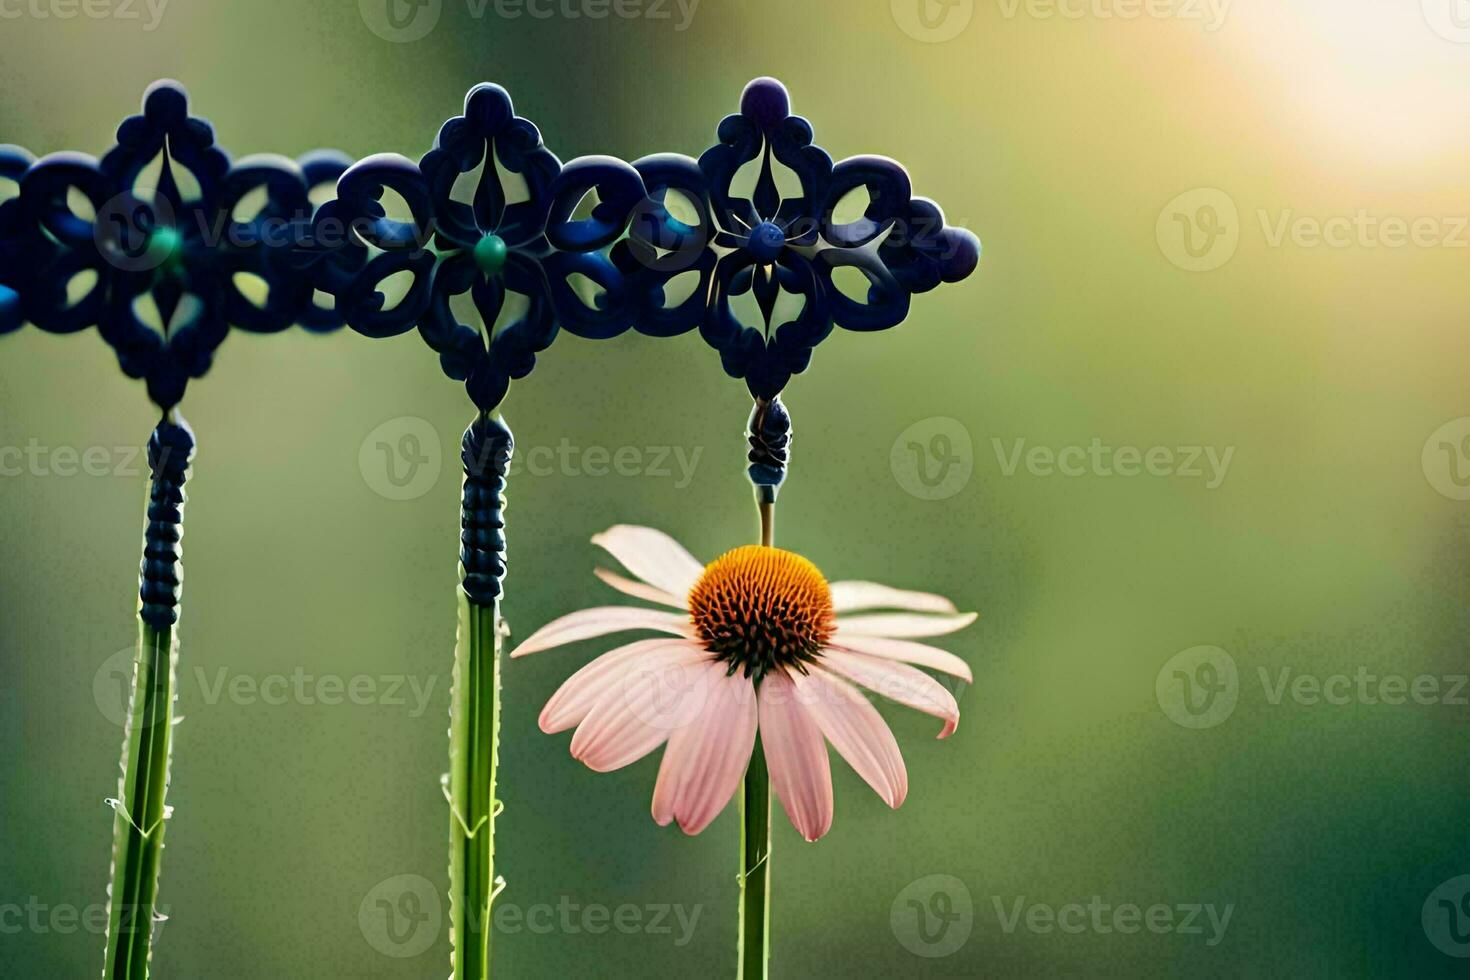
(754, 952)
(474, 712)
(140, 809)
(769, 434)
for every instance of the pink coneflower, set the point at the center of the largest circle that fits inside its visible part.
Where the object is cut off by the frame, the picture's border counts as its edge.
(759, 642)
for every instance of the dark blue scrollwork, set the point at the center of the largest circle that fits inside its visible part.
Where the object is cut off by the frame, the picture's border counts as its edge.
(177, 243)
(163, 253)
(781, 239)
(18, 251)
(515, 234)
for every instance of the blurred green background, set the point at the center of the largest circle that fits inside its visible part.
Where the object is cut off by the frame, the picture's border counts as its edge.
(1334, 543)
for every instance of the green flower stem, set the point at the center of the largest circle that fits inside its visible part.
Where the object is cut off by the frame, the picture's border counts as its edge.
(755, 869)
(474, 729)
(474, 708)
(140, 810)
(755, 827)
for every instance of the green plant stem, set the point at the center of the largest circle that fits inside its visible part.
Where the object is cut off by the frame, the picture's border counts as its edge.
(140, 810)
(755, 826)
(755, 869)
(474, 729)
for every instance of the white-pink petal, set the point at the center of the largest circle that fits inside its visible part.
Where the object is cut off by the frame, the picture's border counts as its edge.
(578, 693)
(653, 556)
(848, 596)
(639, 590)
(796, 756)
(898, 682)
(908, 652)
(705, 760)
(600, 621)
(655, 694)
(856, 731)
(901, 625)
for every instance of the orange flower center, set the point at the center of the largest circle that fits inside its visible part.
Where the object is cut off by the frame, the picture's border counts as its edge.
(757, 608)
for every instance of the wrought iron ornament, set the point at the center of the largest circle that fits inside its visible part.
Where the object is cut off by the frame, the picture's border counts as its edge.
(768, 244)
(170, 452)
(185, 245)
(485, 451)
